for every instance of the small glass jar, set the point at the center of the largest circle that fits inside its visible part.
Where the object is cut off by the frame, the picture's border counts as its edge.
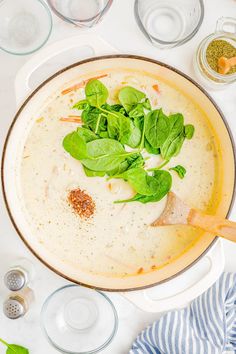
(225, 30)
(83, 14)
(25, 25)
(169, 23)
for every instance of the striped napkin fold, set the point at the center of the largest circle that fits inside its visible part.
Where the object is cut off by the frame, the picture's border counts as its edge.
(207, 326)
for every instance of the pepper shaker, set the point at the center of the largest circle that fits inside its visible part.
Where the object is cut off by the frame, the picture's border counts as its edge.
(17, 304)
(20, 275)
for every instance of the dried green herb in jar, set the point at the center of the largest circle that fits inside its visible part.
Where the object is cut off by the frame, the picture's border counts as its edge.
(217, 49)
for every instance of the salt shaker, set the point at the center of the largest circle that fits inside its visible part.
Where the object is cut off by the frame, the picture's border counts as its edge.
(17, 304)
(20, 275)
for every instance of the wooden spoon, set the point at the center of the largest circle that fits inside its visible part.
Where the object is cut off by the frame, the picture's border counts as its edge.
(177, 212)
(225, 64)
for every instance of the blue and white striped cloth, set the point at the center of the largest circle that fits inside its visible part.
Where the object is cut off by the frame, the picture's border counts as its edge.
(207, 326)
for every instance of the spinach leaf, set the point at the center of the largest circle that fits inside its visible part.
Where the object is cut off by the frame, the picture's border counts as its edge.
(157, 128)
(141, 124)
(130, 97)
(14, 348)
(132, 161)
(93, 118)
(75, 145)
(135, 160)
(164, 183)
(172, 145)
(137, 111)
(104, 163)
(180, 170)
(122, 128)
(146, 104)
(176, 123)
(151, 149)
(189, 131)
(123, 166)
(102, 147)
(104, 134)
(86, 134)
(140, 180)
(90, 173)
(96, 93)
(104, 155)
(119, 127)
(115, 108)
(83, 104)
(134, 139)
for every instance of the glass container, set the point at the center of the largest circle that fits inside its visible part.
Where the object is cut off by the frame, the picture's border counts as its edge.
(84, 14)
(25, 25)
(169, 23)
(79, 320)
(225, 30)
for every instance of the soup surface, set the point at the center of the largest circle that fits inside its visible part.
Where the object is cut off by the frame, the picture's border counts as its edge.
(117, 240)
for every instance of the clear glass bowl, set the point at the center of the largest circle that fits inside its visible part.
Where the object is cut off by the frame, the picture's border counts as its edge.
(169, 23)
(25, 25)
(82, 13)
(79, 320)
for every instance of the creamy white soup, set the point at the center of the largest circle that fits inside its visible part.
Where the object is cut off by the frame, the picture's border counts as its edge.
(117, 240)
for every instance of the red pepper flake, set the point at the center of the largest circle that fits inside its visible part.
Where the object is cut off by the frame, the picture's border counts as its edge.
(140, 270)
(156, 88)
(81, 202)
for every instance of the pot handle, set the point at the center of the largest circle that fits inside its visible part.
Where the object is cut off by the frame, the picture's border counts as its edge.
(185, 295)
(99, 46)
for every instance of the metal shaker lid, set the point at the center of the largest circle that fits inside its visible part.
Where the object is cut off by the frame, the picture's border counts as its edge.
(15, 279)
(14, 307)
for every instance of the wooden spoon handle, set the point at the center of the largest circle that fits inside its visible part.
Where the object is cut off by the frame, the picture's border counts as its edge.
(213, 224)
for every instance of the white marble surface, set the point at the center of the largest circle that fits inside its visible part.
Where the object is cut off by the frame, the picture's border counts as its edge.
(118, 28)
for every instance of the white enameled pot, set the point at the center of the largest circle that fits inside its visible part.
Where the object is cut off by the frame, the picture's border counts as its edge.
(177, 283)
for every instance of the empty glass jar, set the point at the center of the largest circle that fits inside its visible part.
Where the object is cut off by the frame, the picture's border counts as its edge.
(25, 25)
(79, 320)
(169, 23)
(82, 13)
